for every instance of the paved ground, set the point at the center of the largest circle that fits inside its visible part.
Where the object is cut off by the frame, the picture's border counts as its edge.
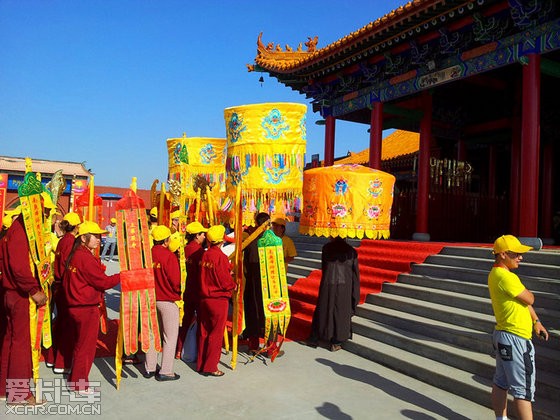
(305, 383)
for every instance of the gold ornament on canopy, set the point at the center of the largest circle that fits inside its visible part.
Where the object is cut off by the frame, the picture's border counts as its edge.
(265, 154)
(347, 201)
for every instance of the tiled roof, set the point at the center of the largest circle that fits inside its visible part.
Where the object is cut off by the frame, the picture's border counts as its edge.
(17, 164)
(399, 143)
(276, 59)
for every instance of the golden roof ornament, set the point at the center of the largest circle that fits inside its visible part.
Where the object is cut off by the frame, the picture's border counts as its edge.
(274, 53)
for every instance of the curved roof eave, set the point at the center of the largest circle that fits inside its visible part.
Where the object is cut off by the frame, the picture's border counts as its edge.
(287, 62)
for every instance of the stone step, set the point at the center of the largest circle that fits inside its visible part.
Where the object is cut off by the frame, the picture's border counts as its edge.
(454, 316)
(471, 386)
(460, 357)
(544, 299)
(481, 342)
(549, 285)
(525, 268)
(445, 297)
(545, 257)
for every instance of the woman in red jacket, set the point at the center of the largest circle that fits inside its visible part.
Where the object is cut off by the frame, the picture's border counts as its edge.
(84, 283)
(61, 354)
(216, 285)
(167, 276)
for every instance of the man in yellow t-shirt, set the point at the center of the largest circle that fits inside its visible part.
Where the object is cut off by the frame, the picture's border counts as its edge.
(279, 228)
(515, 321)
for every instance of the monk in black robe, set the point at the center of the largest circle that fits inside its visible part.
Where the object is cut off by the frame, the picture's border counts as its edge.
(339, 294)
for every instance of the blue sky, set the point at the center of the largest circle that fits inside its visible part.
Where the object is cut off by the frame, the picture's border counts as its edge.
(108, 81)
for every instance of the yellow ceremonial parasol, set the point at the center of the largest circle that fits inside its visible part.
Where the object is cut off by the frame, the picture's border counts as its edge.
(265, 154)
(347, 201)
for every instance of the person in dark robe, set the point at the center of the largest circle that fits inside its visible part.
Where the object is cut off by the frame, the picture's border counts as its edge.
(339, 294)
(252, 295)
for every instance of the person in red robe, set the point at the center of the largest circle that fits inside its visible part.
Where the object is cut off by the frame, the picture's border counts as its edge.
(216, 287)
(196, 239)
(59, 356)
(84, 283)
(167, 276)
(19, 284)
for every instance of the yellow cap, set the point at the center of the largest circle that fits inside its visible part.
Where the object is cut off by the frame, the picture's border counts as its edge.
(14, 212)
(7, 221)
(176, 214)
(113, 220)
(72, 218)
(195, 227)
(509, 243)
(89, 227)
(216, 234)
(279, 221)
(153, 212)
(47, 200)
(174, 242)
(160, 233)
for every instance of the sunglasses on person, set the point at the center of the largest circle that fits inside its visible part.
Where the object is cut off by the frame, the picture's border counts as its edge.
(513, 255)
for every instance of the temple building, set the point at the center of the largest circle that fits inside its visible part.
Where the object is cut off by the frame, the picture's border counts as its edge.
(477, 81)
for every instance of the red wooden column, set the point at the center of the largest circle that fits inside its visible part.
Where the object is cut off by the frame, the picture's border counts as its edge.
(329, 140)
(530, 146)
(492, 170)
(376, 135)
(547, 209)
(421, 233)
(514, 181)
(461, 150)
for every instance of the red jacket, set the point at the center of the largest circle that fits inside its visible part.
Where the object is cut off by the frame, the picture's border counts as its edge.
(215, 274)
(15, 261)
(61, 255)
(167, 274)
(193, 255)
(85, 280)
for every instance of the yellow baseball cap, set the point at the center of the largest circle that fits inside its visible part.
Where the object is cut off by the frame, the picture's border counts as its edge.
(195, 227)
(154, 212)
(174, 242)
(7, 221)
(509, 243)
(14, 212)
(161, 232)
(113, 220)
(216, 234)
(175, 215)
(72, 218)
(90, 227)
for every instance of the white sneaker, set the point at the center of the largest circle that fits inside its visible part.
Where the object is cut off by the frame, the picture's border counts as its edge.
(86, 392)
(61, 371)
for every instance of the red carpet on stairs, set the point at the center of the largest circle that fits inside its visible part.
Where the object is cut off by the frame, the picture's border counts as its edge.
(380, 262)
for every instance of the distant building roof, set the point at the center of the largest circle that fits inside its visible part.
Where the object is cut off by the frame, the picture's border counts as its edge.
(399, 143)
(112, 193)
(17, 164)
